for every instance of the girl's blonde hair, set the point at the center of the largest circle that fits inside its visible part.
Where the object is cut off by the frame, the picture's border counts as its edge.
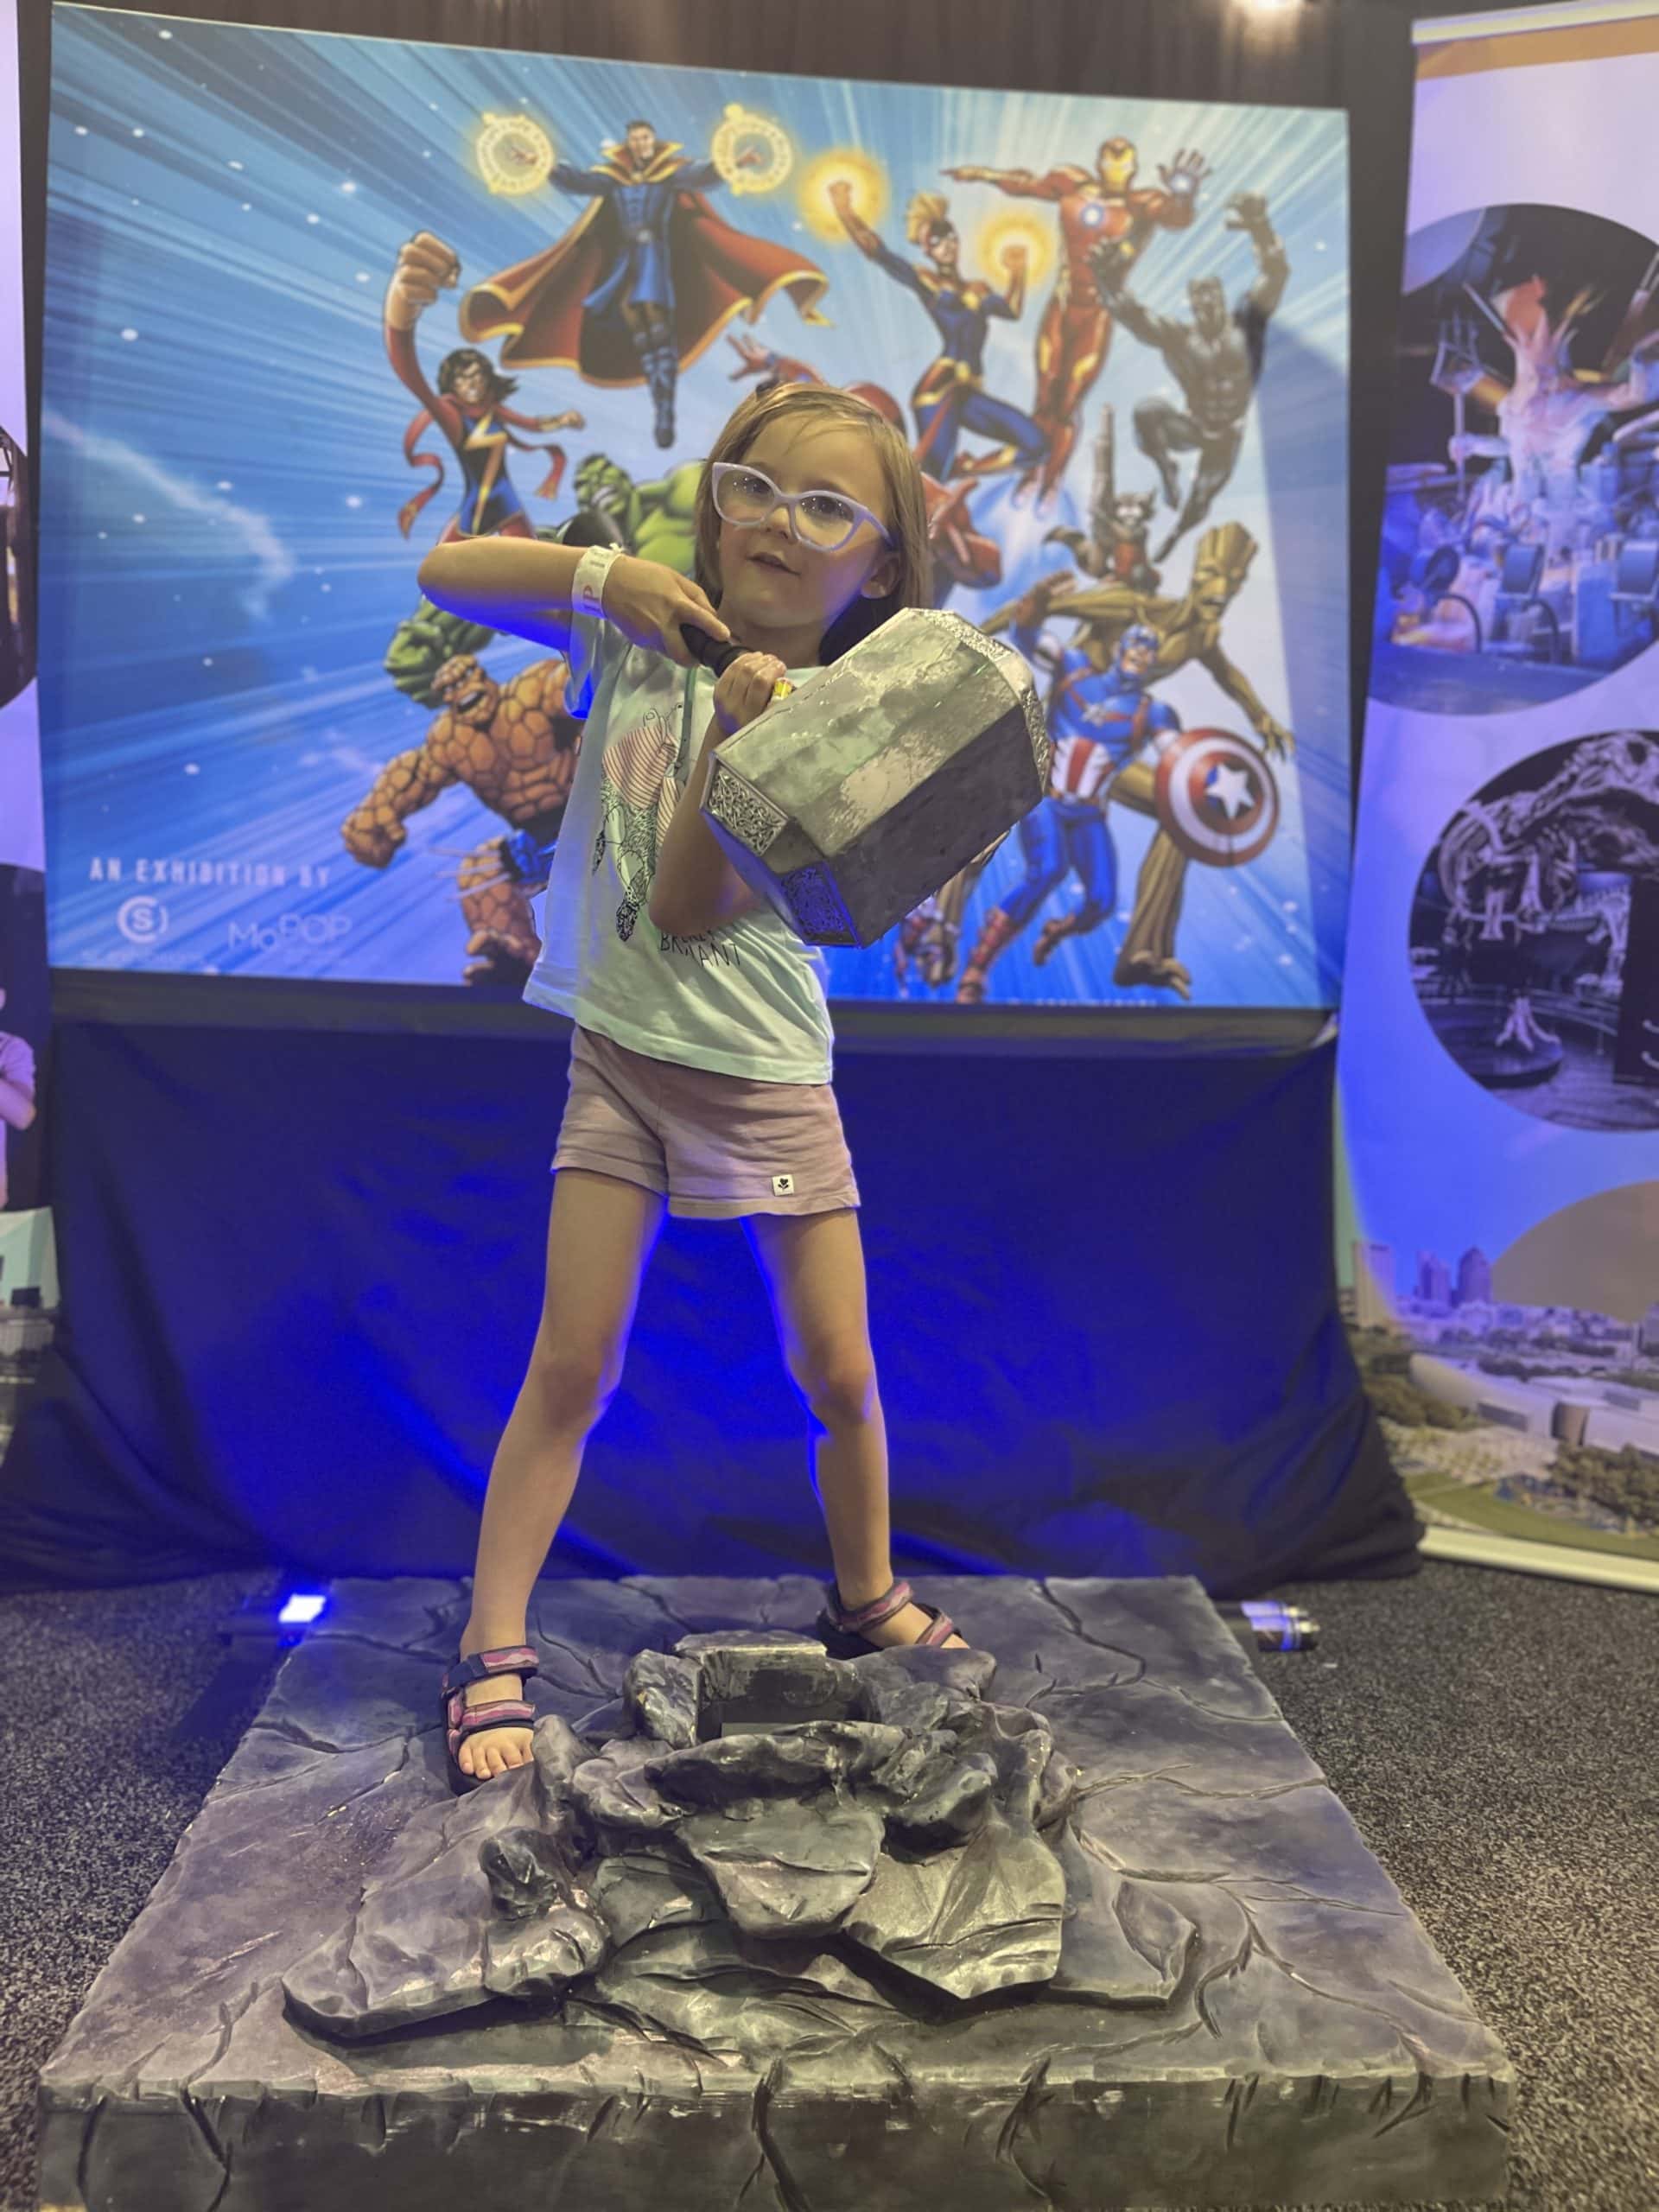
(906, 507)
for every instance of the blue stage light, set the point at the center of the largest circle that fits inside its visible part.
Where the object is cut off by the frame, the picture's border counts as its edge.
(301, 1608)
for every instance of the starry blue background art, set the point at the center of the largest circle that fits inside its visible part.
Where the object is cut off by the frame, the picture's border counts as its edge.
(222, 472)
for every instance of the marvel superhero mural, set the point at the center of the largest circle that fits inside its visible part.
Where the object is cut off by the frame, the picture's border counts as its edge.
(460, 292)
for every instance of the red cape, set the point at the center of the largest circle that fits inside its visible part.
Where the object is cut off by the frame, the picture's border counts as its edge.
(537, 306)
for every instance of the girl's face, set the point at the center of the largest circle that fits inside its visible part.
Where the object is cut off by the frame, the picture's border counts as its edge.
(777, 594)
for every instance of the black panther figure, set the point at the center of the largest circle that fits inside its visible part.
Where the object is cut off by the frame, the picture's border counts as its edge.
(1216, 359)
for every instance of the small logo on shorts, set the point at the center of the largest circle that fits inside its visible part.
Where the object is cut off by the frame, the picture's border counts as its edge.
(782, 1186)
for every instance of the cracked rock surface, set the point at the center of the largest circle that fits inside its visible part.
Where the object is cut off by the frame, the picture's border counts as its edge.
(1120, 1944)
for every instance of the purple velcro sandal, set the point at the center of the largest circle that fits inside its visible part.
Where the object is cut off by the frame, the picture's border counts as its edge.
(459, 1721)
(841, 1631)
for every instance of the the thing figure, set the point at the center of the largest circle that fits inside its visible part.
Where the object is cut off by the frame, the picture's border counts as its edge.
(1187, 629)
(949, 397)
(1101, 719)
(1102, 206)
(1216, 359)
(515, 749)
(469, 407)
(642, 282)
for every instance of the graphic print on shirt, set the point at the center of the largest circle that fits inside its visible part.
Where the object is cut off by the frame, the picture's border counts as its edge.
(640, 791)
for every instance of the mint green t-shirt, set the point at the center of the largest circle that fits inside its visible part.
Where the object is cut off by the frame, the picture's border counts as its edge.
(747, 999)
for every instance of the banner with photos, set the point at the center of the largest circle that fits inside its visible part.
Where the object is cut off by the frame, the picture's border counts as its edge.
(1500, 1055)
(314, 300)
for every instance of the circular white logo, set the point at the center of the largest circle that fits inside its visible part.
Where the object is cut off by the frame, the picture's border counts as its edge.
(141, 919)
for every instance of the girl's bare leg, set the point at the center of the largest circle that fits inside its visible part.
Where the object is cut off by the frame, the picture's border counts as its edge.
(600, 1235)
(814, 1267)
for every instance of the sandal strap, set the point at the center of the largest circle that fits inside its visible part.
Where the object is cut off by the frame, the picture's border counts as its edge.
(506, 1712)
(879, 1609)
(483, 1666)
(939, 1629)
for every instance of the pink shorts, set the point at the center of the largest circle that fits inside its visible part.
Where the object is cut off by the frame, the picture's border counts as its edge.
(718, 1145)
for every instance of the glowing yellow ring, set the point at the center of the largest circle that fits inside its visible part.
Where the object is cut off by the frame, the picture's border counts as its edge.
(531, 167)
(739, 123)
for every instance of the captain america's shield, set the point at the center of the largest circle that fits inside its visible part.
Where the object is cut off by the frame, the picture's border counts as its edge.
(1217, 797)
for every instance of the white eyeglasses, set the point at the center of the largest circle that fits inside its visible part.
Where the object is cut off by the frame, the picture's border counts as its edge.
(822, 521)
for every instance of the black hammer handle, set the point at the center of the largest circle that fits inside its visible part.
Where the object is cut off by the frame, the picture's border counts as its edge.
(717, 654)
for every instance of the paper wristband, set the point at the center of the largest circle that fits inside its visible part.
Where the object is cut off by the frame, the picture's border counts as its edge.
(587, 586)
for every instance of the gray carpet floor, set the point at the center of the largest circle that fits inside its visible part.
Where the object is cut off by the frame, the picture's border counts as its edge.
(1493, 1735)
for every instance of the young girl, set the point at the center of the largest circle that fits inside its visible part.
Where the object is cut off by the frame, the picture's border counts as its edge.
(701, 1055)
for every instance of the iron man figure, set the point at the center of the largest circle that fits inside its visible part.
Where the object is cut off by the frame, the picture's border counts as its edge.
(1097, 208)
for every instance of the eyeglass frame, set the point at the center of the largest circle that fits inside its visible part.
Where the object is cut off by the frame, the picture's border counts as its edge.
(719, 470)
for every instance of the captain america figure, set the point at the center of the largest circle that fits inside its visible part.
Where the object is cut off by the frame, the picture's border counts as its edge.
(1099, 719)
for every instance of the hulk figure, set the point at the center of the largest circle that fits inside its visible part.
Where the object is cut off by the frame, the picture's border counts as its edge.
(656, 520)
(426, 642)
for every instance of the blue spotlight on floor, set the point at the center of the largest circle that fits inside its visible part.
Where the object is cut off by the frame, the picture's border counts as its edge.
(301, 1608)
(268, 1621)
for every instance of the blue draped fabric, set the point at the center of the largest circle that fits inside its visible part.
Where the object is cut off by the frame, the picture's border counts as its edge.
(302, 1271)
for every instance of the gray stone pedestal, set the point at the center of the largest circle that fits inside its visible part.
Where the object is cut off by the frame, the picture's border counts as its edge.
(1244, 2012)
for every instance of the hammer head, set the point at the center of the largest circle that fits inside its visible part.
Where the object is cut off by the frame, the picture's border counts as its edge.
(862, 793)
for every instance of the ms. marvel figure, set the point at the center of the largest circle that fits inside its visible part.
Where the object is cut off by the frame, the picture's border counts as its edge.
(468, 406)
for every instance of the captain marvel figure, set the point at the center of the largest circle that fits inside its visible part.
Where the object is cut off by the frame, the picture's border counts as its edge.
(949, 396)
(1096, 209)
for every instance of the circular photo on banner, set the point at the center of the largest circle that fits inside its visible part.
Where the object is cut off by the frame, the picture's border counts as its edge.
(1520, 556)
(16, 581)
(1534, 934)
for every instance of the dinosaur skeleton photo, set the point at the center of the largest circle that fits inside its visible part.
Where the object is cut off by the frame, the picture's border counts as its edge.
(1521, 928)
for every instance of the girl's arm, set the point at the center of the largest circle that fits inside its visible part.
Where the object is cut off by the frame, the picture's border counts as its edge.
(696, 887)
(526, 586)
(16, 1103)
(512, 583)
